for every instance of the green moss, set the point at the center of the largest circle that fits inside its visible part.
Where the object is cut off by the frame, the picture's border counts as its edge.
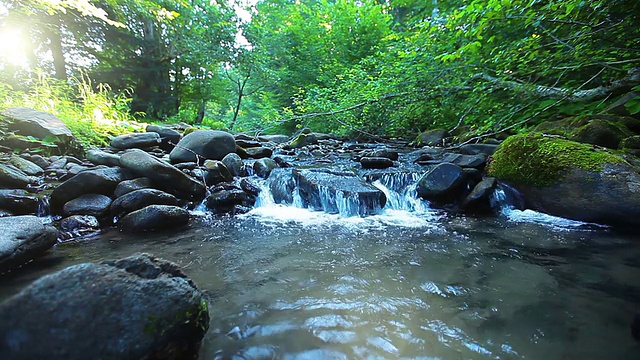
(538, 160)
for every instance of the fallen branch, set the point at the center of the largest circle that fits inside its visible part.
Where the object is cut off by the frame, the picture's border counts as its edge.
(528, 118)
(632, 79)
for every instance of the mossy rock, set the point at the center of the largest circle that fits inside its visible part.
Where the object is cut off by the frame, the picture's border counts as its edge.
(539, 160)
(632, 142)
(602, 133)
(304, 139)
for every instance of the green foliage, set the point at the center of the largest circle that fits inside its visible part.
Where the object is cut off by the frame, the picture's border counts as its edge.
(539, 160)
(633, 105)
(92, 115)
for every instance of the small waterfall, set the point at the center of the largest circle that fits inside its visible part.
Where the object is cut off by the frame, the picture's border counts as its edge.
(506, 197)
(400, 189)
(281, 188)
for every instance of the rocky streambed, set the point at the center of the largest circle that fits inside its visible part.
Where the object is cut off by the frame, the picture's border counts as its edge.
(157, 180)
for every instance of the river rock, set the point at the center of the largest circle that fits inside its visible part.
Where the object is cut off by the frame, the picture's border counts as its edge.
(140, 307)
(247, 143)
(135, 140)
(263, 167)
(29, 122)
(168, 137)
(475, 149)
(376, 162)
(100, 157)
(234, 164)
(216, 172)
(26, 166)
(18, 202)
(478, 200)
(435, 137)
(78, 225)
(128, 186)
(465, 161)
(137, 199)
(88, 204)
(154, 217)
(229, 201)
(303, 140)
(95, 181)
(209, 144)
(166, 176)
(278, 139)
(259, 152)
(442, 183)
(11, 177)
(570, 179)
(385, 153)
(22, 239)
(338, 192)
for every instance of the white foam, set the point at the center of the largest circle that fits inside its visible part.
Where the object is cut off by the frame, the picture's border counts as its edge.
(556, 222)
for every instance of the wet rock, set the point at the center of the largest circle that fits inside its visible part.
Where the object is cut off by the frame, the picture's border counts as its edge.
(442, 183)
(478, 201)
(303, 140)
(247, 143)
(154, 217)
(338, 192)
(100, 157)
(376, 162)
(465, 161)
(23, 238)
(88, 204)
(18, 202)
(11, 177)
(59, 163)
(570, 179)
(29, 122)
(128, 186)
(234, 164)
(216, 173)
(476, 149)
(278, 139)
(78, 225)
(263, 167)
(249, 187)
(135, 140)
(26, 166)
(96, 181)
(435, 137)
(137, 199)
(601, 132)
(140, 307)
(259, 152)
(226, 201)
(37, 159)
(209, 144)
(166, 176)
(385, 153)
(168, 137)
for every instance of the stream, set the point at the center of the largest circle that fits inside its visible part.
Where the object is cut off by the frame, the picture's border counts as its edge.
(411, 282)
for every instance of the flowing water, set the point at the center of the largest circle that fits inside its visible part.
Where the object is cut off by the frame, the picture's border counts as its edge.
(410, 283)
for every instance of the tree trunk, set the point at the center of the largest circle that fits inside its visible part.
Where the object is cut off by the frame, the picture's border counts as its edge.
(55, 37)
(241, 86)
(201, 111)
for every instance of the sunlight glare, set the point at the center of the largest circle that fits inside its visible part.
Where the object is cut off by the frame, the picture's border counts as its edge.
(14, 46)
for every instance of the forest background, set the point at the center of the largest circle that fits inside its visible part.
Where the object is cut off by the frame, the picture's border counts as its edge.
(369, 68)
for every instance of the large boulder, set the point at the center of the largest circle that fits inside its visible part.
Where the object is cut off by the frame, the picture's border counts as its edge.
(444, 182)
(570, 179)
(96, 181)
(168, 177)
(340, 192)
(168, 137)
(139, 307)
(100, 157)
(29, 122)
(208, 144)
(26, 166)
(154, 217)
(22, 239)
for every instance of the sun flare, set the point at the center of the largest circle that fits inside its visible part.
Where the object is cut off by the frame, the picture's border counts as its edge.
(13, 46)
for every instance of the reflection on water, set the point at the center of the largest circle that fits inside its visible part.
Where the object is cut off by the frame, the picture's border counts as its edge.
(285, 283)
